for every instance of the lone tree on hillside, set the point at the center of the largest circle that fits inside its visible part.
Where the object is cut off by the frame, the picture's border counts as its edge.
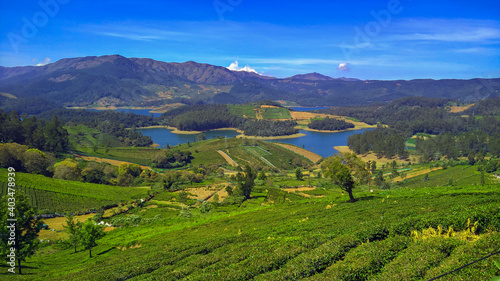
(90, 233)
(246, 181)
(345, 170)
(25, 231)
(73, 227)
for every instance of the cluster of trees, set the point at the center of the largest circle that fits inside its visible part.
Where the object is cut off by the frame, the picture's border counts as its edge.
(330, 124)
(172, 159)
(44, 135)
(215, 116)
(266, 128)
(469, 144)
(25, 159)
(85, 234)
(485, 107)
(384, 142)
(108, 122)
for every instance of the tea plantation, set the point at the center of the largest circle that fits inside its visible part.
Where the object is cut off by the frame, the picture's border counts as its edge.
(400, 234)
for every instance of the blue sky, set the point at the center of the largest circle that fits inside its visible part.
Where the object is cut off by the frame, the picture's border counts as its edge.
(363, 39)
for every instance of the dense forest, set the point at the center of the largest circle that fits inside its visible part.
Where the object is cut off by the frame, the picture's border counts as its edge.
(457, 134)
(36, 133)
(384, 142)
(330, 124)
(202, 118)
(265, 128)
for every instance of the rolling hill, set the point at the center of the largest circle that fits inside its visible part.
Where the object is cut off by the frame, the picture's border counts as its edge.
(119, 81)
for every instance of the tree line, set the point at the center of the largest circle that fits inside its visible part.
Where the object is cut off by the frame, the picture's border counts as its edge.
(48, 135)
(110, 122)
(384, 142)
(330, 124)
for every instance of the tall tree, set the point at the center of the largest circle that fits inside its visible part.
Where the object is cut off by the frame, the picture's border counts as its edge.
(74, 230)
(90, 233)
(25, 229)
(246, 180)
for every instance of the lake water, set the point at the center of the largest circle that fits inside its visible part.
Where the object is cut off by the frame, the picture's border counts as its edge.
(319, 143)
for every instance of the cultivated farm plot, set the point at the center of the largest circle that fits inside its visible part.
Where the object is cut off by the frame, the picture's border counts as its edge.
(49, 202)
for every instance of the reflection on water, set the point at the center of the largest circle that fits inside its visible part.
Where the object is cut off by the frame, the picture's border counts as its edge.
(164, 136)
(320, 143)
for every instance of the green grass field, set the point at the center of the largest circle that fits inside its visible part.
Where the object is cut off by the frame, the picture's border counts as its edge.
(242, 110)
(275, 113)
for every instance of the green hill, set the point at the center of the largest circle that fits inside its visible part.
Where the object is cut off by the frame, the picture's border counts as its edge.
(322, 238)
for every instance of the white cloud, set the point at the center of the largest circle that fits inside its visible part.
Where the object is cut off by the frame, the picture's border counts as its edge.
(235, 67)
(343, 67)
(44, 62)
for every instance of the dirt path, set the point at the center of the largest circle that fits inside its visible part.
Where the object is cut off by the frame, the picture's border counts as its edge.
(417, 173)
(299, 189)
(104, 160)
(304, 152)
(228, 159)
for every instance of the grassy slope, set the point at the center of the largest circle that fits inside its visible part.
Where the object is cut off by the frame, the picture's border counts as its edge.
(323, 237)
(62, 195)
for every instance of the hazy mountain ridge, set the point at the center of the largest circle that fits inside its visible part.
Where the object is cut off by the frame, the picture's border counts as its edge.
(120, 81)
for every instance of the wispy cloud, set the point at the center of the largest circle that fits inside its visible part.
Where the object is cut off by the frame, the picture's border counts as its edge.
(479, 34)
(477, 50)
(137, 32)
(138, 37)
(445, 30)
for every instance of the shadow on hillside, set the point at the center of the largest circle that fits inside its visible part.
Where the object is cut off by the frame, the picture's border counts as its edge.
(106, 251)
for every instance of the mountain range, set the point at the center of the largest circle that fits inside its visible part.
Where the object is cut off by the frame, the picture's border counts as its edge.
(120, 81)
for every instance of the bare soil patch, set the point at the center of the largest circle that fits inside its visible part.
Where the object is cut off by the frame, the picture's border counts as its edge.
(104, 160)
(456, 109)
(228, 159)
(304, 152)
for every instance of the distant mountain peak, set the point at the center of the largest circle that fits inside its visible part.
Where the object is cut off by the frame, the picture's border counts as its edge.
(310, 76)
